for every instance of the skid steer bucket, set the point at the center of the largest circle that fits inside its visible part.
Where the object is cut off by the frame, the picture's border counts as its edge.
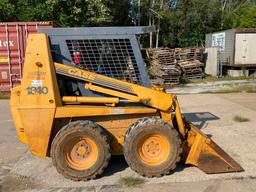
(203, 152)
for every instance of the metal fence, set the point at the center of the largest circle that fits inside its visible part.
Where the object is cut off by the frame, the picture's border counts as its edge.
(111, 57)
(111, 51)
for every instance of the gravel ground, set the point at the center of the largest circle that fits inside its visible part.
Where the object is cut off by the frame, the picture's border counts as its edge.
(213, 113)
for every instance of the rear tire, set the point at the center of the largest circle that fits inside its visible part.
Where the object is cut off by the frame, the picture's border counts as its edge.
(80, 150)
(152, 147)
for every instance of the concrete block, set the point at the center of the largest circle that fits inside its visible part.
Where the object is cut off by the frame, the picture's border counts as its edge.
(211, 67)
(238, 73)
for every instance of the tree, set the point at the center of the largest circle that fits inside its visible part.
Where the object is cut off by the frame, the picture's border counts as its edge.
(182, 23)
(32, 10)
(188, 21)
(98, 13)
(72, 13)
(69, 13)
(241, 16)
(7, 11)
(119, 11)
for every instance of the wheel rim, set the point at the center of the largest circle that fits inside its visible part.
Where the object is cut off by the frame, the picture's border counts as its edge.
(153, 149)
(81, 153)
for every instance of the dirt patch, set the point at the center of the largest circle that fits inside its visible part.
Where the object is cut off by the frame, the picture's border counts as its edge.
(12, 183)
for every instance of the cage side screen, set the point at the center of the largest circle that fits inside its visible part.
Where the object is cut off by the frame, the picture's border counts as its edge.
(111, 57)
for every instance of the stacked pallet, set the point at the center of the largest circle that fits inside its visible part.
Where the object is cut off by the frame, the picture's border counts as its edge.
(190, 61)
(192, 69)
(164, 66)
(169, 65)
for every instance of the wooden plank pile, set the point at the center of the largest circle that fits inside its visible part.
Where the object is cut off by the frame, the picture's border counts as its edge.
(169, 65)
(164, 66)
(190, 61)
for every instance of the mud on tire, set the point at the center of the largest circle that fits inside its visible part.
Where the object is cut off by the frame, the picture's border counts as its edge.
(80, 150)
(152, 147)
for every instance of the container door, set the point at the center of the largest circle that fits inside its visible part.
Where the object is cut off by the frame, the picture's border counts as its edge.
(245, 47)
(10, 56)
(13, 38)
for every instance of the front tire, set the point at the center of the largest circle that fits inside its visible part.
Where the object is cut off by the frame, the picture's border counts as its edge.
(80, 150)
(152, 147)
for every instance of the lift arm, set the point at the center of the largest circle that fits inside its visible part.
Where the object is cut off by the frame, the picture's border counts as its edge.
(115, 87)
(132, 92)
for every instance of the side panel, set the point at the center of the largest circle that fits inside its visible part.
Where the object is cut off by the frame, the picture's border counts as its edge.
(245, 48)
(39, 94)
(14, 105)
(224, 41)
(37, 125)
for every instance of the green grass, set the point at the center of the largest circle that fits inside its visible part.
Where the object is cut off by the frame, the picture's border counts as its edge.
(212, 79)
(243, 89)
(4, 95)
(184, 81)
(131, 181)
(240, 119)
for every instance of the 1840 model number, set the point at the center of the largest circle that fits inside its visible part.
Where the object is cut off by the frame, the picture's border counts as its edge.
(37, 90)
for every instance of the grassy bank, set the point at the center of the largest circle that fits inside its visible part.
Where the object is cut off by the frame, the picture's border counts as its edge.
(213, 79)
(4, 95)
(240, 89)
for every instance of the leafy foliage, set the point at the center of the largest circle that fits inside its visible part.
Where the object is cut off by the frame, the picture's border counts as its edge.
(243, 16)
(7, 10)
(182, 23)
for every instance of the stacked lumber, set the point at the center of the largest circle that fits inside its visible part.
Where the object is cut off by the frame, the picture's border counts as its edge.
(169, 65)
(190, 61)
(192, 69)
(164, 66)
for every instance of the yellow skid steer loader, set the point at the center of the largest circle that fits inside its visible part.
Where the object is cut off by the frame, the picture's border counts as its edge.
(80, 133)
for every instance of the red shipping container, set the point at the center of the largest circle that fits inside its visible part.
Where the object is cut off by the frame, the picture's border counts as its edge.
(13, 37)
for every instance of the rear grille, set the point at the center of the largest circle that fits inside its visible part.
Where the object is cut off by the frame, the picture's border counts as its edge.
(111, 57)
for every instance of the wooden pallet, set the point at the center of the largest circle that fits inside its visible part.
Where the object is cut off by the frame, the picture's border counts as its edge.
(169, 65)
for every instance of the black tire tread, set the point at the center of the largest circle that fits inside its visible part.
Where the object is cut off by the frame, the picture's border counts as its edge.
(85, 124)
(151, 121)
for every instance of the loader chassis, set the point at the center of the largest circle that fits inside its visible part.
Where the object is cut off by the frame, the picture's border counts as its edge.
(81, 132)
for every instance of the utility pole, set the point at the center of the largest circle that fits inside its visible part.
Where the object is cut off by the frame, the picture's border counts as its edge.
(158, 23)
(138, 17)
(151, 22)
